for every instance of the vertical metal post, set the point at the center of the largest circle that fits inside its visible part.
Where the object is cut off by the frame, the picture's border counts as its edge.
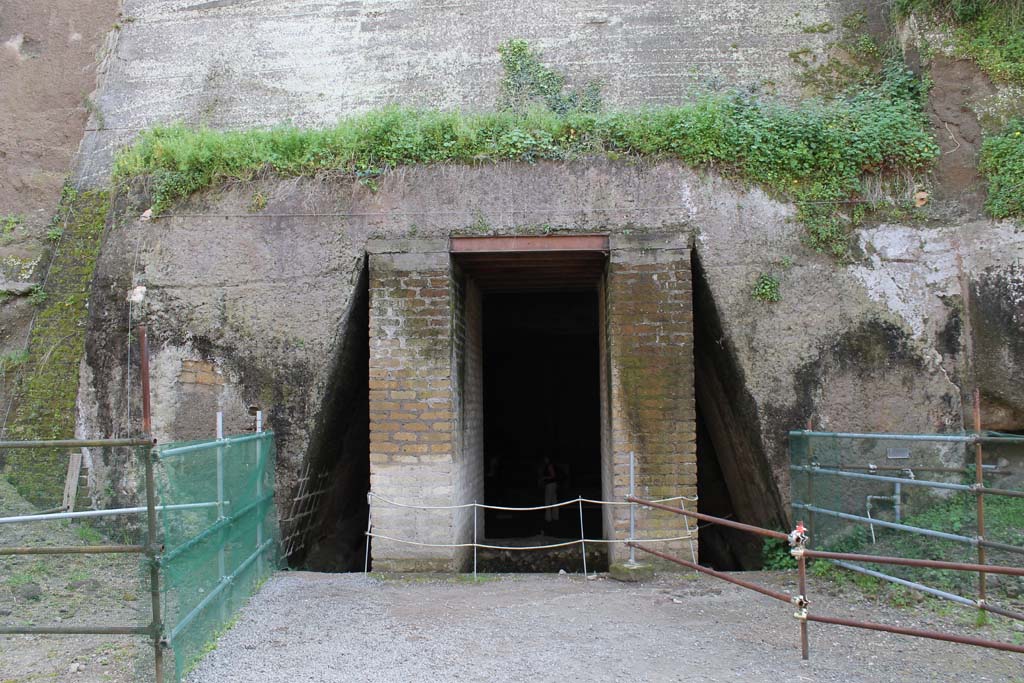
(369, 526)
(474, 540)
(980, 482)
(583, 538)
(689, 532)
(259, 491)
(632, 506)
(221, 564)
(147, 417)
(152, 547)
(810, 477)
(152, 552)
(897, 502)
(802, 569)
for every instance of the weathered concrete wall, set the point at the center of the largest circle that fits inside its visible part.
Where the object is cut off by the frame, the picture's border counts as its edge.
(236, 64)
(882, 344)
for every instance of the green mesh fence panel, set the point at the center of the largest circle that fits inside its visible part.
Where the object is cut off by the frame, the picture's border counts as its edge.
(221, 543)
(844, 474)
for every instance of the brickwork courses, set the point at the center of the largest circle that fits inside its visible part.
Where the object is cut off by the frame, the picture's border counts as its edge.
(426, 404)
(650, 346)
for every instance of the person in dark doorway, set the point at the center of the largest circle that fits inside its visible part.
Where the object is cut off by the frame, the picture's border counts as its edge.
(549, 480)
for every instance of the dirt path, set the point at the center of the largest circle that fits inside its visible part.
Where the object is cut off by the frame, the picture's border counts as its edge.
(67, 589)
(332, 627)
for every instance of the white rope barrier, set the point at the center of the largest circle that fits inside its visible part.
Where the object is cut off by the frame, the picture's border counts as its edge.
(476, 545)
(564, 544)
(534, 508)
(582, 541)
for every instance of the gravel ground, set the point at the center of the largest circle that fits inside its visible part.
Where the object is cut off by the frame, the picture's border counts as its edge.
(333, 627)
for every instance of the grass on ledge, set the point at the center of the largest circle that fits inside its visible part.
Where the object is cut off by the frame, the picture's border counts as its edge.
(815, 154)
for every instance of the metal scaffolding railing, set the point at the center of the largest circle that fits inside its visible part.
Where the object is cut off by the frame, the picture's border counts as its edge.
(835, 472)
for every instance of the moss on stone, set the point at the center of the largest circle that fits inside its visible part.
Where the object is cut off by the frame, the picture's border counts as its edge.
(44, 399)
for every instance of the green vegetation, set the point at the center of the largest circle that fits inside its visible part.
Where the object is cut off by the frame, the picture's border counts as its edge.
(1004, 522)
(44, 403)
(855, 61)
(12, 360)
(991, 32)
(775, 555)
(767, 288)
(37, 297)
(528, 83)
(815, 154)
(9, 222)
(1002, 163)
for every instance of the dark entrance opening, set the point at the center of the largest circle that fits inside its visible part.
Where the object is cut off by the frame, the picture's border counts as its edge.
(541, 402)
(734, 479)
(326, 522)
(540, 369)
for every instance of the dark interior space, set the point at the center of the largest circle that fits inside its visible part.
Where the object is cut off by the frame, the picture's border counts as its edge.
(334, 529)
(734, 479)
(541, 400)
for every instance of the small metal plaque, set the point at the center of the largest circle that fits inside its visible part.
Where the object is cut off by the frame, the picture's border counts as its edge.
(898, 454)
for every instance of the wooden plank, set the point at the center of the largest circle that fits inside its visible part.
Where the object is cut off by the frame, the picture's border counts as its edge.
(71, 481)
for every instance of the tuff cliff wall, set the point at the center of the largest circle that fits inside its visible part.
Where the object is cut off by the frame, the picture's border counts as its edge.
(251, 302)
(263, 297)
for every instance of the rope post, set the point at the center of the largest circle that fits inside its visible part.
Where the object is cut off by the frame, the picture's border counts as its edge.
(369, 526)
(632, 509)
(474, 539)
(689, 533)
(798, 542)
(583, 537)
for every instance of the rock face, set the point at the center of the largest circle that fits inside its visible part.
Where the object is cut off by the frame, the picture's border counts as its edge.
(269, 307)
(259, 308)
(306, 62)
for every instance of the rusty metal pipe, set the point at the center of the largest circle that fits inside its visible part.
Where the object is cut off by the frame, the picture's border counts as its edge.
(914, 562)
(147, 421)
(74, 550)
(708, 518)
(920, 633)
(802, 576)
(718, 575)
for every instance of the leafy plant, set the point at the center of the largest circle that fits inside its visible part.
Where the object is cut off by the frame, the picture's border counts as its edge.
(54, 233)
(527, 83)
(11, 360)
(37, 295)
(767, 288)
(775, 555)
(1002, 163)
(10, 222)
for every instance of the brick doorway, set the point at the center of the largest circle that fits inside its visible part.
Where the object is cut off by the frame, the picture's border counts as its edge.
(446, 320)
(530, 369)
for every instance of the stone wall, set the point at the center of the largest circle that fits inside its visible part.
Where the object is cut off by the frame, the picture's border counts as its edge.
(266, 296)
(232, 64)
